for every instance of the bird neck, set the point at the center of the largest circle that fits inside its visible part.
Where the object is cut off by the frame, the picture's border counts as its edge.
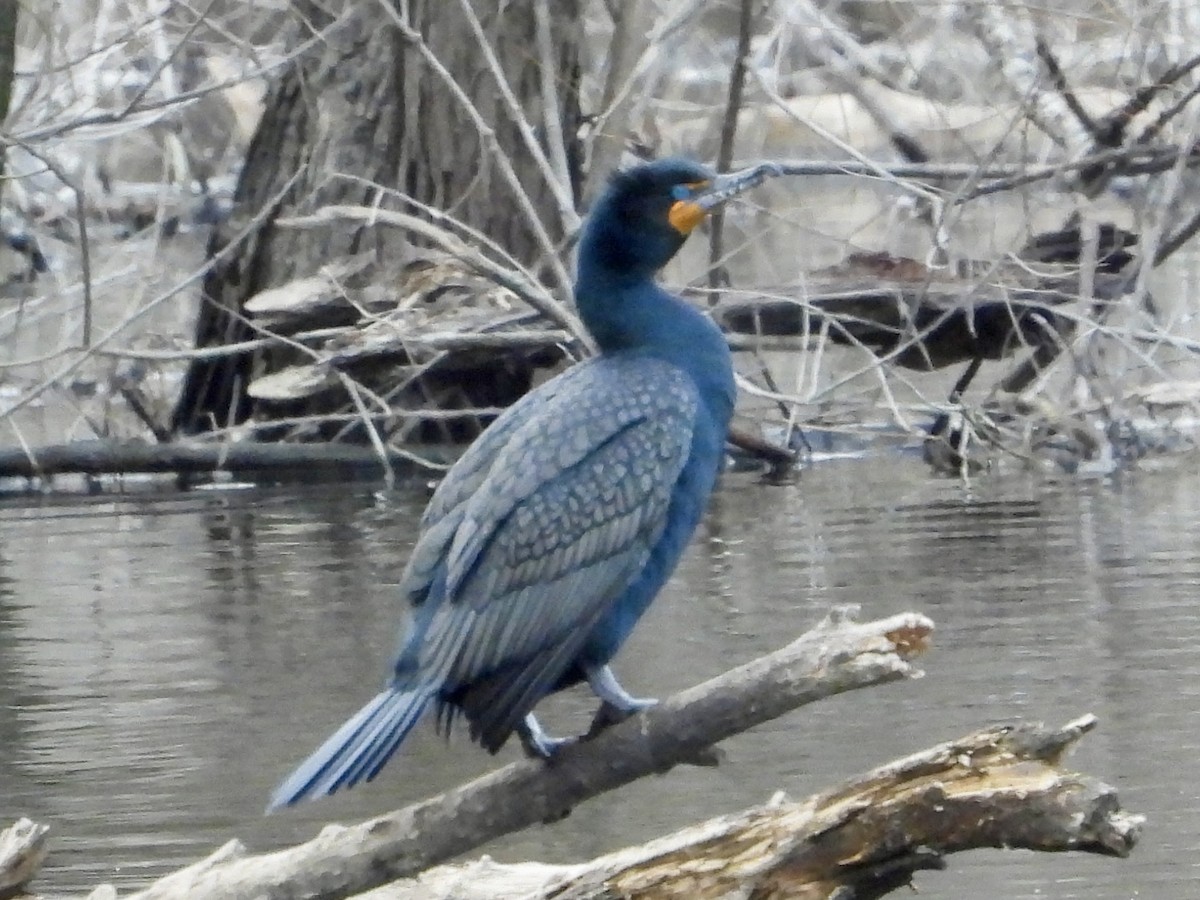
(631, 314)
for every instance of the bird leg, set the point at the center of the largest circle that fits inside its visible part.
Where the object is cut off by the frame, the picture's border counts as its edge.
(536, 742)
(617, 705)
(604, 685)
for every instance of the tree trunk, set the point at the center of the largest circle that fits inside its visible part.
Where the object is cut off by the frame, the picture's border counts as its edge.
(364, 116)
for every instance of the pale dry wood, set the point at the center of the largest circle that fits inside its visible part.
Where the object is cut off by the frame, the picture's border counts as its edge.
(1000, 787)
(304, 296)
(837, 656)
(22, 850)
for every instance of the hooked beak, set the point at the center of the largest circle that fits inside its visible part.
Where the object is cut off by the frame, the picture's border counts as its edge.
(685, 215)
(726, 187)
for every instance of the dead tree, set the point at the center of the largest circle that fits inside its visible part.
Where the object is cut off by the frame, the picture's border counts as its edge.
(412, 108)
(1000, 787)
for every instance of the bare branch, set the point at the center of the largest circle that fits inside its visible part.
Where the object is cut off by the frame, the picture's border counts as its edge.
(837, 656)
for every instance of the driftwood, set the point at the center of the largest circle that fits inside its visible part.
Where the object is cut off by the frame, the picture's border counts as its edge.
(22, 850)
(257, 458)
(838, 655)
(1000, 787)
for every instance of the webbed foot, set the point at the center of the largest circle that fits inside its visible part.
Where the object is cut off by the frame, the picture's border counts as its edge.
(536, 743)
(604, 685)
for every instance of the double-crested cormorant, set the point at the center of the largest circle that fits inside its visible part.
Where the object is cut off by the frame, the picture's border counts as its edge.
(552, 534)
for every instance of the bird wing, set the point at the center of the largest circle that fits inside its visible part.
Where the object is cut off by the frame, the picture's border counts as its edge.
(448, 504)
(563, 520)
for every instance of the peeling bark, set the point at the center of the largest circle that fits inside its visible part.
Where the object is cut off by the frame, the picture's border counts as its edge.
(363, 118)
(1003, 786)
(838, 655)
(22, 850)
(1000, 787)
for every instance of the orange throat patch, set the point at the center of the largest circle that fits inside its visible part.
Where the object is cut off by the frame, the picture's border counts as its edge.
(684, 216)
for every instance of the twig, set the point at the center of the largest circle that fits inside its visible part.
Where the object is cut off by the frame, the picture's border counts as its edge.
(551, 118)
(85, 252)
(717, 276)
(166, 61)
(1145, 95)
(487, 136)
(835, 52)
(1058, 79)
(1134, 160)
(1171, 244)
(605, 140)
(559, 186)
(533, 294)
(160, 107)
(1006, 34)
(352, 388)
(42, 386)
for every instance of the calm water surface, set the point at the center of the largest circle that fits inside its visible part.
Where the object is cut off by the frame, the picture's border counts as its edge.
(164, 661)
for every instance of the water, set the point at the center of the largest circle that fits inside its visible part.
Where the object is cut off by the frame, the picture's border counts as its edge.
(164, 661)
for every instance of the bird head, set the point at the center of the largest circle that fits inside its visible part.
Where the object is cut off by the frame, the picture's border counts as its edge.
(648, 211)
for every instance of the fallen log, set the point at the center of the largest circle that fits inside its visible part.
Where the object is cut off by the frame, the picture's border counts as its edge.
(1001, 787)
(838, 655)
(259, 458)
(194, 458)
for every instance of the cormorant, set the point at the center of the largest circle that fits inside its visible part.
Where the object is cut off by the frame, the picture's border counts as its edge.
(557, 527)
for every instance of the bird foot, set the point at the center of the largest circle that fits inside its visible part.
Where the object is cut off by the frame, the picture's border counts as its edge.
(535, 741)
(604, 685)
(609, 715)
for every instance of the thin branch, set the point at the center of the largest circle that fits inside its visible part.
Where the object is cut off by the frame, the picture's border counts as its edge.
(1142, 98)
(50, 381)
(551, 118)
(533, 294)
(158, 108)
(85, 251)
(836, 52)
(1058, 79)
(560, 188)
(729, 128)
(352, 388)
(166, 61)
(1185, 233)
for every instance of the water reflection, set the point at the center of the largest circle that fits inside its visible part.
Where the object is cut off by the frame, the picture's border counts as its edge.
(163, 662)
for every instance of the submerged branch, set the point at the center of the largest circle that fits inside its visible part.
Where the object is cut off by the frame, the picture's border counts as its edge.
(183, 458)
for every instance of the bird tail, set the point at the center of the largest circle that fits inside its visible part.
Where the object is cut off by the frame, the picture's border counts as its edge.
(356, 751)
